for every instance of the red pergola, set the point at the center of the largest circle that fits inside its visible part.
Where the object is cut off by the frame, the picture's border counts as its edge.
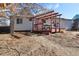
(38, 21)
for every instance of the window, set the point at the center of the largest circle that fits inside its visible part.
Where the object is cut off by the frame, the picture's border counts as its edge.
(30, 19)
(19, 21)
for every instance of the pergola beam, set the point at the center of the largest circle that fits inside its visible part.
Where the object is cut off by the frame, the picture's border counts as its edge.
(51, 14)
(46, 17)
(59, 21)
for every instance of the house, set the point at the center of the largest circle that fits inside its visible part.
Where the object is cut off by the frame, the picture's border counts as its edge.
(75, 25)
(66, 23)
(22, 23)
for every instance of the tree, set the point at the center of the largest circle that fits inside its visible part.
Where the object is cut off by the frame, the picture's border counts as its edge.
(20, 9)
(75, 24)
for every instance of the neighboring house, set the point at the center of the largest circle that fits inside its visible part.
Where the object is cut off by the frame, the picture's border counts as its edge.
(75, 25)
(4, 24)
(66, 23)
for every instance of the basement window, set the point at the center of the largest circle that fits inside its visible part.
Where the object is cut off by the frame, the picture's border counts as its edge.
(19, 21)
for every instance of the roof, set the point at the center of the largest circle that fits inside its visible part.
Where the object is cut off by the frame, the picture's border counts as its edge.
(66, 19)
(20, 16)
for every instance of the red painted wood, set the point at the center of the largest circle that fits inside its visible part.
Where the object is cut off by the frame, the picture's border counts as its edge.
(47, 15)
(38, 25)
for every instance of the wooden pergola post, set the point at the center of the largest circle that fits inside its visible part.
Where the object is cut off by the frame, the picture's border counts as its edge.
(55, 21)
(56, 14)
(52, 18)
(55, 25)
(59, 22)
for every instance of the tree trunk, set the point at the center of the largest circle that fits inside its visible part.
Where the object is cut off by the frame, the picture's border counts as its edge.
(11, 26)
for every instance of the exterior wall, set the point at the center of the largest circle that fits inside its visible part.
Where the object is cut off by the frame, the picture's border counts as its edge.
(28, 25)
(25, 26)
(64, 23)
(67, 24)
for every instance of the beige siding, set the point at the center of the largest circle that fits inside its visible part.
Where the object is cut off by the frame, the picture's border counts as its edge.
(26, 25)
(66, 24)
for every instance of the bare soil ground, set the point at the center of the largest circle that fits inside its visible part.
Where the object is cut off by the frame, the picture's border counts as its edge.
(30, 44)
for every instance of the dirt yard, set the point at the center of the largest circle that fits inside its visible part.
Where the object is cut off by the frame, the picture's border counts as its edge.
(30, 44)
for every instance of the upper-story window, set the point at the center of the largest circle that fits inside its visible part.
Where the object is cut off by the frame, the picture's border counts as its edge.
(19, 21)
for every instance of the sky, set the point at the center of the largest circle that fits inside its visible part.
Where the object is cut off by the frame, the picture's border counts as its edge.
(68, 10)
